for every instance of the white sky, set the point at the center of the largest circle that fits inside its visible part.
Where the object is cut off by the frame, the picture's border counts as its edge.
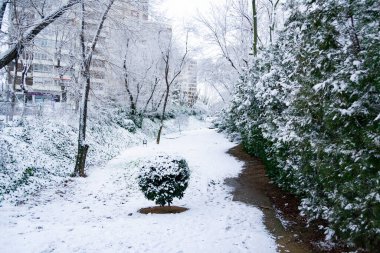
(183, 10)
(181, 15)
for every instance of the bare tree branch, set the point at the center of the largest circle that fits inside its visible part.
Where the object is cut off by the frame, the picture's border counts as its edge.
(31, 33)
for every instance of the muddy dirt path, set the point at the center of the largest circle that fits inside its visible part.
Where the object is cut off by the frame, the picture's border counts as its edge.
(281, 215)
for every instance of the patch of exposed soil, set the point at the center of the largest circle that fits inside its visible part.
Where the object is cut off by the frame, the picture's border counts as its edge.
(281, 214)
(163, 209)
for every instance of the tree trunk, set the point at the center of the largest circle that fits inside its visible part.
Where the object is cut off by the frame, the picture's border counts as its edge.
(23, 88)
(126, 83)
(254, 14)
(354, 36)
(163, 114)
(81, 160)
(159, 134)
(167, 59)
(86, 58)
(80, 163)
(82, 146)
(151, 95)
(13, 92)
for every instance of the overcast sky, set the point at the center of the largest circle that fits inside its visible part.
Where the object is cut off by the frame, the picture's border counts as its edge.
(183, 10)
(181, 14)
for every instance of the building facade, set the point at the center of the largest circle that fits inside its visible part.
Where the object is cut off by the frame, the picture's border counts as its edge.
(188, 82)
(48, 68)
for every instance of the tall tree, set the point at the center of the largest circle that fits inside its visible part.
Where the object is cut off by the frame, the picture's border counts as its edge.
(87, 54)
(254, 27)
(170, 76)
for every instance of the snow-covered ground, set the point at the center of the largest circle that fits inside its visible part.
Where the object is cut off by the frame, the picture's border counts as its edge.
(99, 213)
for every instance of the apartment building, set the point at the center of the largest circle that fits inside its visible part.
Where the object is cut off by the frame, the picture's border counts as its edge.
(52, 58)
(45, 62)
(188, 82)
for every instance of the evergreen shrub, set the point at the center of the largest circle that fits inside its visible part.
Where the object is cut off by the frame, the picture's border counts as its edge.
(164, 178)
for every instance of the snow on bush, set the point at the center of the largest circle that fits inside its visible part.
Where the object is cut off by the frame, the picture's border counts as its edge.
(309, 108)
(164, 178)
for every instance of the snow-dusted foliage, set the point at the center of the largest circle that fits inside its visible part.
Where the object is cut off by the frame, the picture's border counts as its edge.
(38, 152)
(164, 178)
(310, 108)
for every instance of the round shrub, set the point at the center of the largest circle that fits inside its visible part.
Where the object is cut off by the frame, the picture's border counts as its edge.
(164, 178)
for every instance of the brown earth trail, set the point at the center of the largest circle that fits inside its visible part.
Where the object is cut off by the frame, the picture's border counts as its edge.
(281, 215)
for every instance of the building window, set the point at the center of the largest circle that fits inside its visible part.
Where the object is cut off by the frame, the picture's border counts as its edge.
(29, 80)
(40, 56)
(41, 42)
(42, 81)
(42, 68)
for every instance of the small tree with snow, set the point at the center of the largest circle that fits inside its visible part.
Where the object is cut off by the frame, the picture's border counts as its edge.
(164, 178)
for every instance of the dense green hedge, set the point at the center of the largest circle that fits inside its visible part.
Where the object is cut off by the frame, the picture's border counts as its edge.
(310, 107)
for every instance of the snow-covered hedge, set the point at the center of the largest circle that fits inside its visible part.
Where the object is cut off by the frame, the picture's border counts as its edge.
(164, 178)
(310, 108)
(38, 152)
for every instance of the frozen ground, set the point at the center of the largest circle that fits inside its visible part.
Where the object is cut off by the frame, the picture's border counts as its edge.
(99, 213)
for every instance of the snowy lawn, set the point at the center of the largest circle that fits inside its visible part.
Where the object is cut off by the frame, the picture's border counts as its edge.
(99, 213)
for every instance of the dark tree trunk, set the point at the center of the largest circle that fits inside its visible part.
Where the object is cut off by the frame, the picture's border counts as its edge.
(254, 14)
(82, 146)
(163, 114)
(13, 92)
(354, 36)
(151, 95)
(24, 74)
(80, 163)
(169, 82)
(81, 160)
(126, 83)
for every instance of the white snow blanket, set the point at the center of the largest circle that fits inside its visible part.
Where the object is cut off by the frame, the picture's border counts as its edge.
(100, 213)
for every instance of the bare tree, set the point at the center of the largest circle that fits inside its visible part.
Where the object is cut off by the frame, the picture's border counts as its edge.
(127, 83)
(19, 19)
(237, 28)
(170, 77)
(87, 54)
(272, 11)
(140, 69)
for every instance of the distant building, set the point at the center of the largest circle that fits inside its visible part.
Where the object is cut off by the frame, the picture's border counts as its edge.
(188, 82)
(50, 56)
(47, 59)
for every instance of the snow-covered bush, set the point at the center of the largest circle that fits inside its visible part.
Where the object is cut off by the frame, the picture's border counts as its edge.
(164, 178)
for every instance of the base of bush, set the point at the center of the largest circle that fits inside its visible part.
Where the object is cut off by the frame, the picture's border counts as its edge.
(163, 209)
